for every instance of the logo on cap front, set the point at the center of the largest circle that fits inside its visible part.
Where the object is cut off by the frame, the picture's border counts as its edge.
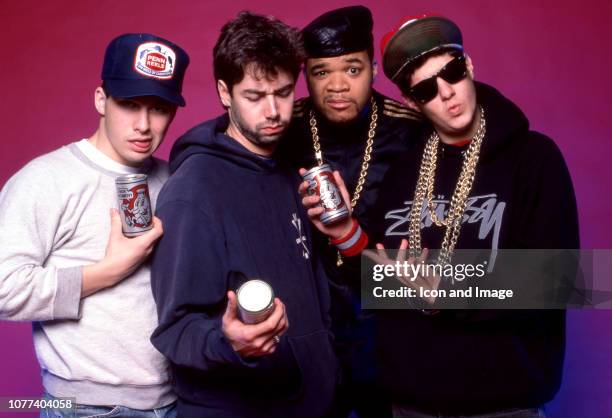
(155, 60)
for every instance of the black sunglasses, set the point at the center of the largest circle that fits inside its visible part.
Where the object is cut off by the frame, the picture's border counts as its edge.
(453, 72)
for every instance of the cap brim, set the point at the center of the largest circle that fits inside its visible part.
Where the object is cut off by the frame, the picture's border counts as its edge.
(416, 39)
(126, 89)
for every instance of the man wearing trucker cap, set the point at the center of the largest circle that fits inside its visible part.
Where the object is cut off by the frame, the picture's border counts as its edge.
(70, 269)
(481, 363)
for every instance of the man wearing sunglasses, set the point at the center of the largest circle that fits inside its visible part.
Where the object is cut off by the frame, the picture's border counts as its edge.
(496, 184)
(358, 131)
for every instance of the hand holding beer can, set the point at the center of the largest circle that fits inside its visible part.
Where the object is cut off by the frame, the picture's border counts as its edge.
(134, 204)
(255, 301)
(321, 182)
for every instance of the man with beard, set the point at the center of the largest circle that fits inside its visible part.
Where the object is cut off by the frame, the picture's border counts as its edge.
(358, 131)
(231, 213)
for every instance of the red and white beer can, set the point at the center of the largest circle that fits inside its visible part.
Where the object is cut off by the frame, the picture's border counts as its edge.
(321, 182)
(134, 204)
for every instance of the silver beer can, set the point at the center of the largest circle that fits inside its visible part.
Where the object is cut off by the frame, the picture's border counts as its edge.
(255, 301)
(134, 204)
(321, 182)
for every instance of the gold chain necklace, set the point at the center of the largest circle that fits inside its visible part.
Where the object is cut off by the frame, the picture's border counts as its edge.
(365, 164)
(424, 194)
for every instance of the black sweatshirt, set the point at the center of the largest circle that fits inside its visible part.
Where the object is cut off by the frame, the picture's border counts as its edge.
(466, 362)
(229, 215)
(343, 146)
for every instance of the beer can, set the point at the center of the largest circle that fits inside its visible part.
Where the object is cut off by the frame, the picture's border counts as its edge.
(134, 204)
(255, 301)
(321, 182)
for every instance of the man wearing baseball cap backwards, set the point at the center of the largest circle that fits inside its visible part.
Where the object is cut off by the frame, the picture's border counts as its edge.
(70, 269)
(479, 149)
(358, 131)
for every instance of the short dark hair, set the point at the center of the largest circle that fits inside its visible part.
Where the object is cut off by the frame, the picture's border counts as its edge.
(266, 42)
(403, 82)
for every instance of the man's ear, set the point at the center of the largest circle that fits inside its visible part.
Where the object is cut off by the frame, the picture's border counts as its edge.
(374, 69)
(411, 103)
(224, 94)
(470, 66)
(100, 101)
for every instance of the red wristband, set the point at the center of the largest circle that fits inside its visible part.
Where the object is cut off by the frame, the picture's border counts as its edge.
(353, 242)
(348, 235)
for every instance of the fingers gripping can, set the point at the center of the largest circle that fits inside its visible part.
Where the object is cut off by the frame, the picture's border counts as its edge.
(134, 204)
(321, 182)
(255, 301)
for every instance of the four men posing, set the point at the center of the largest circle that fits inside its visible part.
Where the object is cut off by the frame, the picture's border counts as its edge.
(216, 238)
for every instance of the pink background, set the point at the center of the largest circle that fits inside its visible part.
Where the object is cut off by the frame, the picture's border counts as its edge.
(550, 57)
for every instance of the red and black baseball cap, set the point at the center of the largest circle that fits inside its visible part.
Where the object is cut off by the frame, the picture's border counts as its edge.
(141, 64)
(415, 37)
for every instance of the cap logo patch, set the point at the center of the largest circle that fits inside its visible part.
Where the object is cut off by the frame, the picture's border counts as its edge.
(155, 60)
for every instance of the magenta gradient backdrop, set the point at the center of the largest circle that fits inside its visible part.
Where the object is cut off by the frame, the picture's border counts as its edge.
(548, 56)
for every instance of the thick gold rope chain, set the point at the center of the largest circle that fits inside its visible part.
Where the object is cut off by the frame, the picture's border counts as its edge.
(365, 164)
(425, 188)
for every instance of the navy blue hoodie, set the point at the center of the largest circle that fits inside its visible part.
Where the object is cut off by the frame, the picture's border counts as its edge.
(229, 215)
